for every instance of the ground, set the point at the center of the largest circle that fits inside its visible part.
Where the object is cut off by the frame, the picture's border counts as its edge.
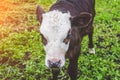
(21, 51)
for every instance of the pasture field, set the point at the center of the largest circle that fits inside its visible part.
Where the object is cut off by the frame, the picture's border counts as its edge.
(21, 51)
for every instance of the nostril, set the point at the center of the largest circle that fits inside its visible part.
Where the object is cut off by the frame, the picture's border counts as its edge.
(54, 64)
(50, 63)
(58, 63)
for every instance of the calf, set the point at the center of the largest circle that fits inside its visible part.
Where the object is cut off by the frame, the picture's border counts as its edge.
(62, 29)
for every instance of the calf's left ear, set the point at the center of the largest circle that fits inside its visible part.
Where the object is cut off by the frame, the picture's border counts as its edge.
(39, 12)
(81, 20)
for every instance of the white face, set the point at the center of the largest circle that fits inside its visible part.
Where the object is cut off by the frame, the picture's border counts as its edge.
(55, 27)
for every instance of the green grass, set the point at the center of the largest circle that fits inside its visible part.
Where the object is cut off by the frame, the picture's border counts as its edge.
(21, 51)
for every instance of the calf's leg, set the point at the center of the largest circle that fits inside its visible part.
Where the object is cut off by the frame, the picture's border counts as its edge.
(55, 73)
(72, 69)
(90, 45)
(73, 63)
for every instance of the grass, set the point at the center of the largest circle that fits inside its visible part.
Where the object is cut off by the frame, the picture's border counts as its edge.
(22, 55)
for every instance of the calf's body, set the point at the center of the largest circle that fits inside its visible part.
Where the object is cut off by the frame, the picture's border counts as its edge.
(63, 28)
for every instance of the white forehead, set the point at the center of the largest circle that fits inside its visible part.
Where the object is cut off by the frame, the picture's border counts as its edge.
(55, 25)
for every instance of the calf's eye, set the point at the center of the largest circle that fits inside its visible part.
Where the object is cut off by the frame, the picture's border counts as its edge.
(44, 40)
(66, 40)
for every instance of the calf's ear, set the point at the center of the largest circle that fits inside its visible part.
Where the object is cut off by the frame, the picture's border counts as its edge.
(39, 12)
(81, 20)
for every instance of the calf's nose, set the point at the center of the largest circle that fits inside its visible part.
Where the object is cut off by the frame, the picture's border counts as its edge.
(54, 64)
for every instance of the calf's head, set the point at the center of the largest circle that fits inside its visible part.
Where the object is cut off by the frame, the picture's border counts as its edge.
(56, 34)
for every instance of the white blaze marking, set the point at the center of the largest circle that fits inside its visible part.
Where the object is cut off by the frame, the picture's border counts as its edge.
(55, 26)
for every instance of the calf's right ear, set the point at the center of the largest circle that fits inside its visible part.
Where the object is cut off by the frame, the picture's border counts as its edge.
(39, 12)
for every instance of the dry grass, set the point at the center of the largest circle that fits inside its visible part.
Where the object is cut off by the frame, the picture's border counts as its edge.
(17, 16)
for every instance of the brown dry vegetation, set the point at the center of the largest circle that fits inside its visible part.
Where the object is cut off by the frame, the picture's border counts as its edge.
(17, 16)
